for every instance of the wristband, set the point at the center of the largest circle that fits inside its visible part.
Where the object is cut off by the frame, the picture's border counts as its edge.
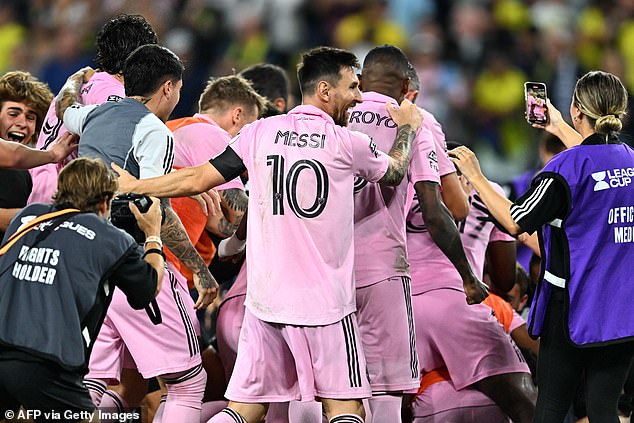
(231, 246)
(154, 251)
(153, 239)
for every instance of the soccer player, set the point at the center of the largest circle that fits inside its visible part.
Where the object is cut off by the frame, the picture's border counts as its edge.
(452, 193)
(271, 82)
(299, 338)
(65, 260)
(116, 40)
(226, 105)
(131, 132)
(383, 292)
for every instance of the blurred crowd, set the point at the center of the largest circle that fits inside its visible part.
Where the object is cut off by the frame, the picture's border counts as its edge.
(473, 56)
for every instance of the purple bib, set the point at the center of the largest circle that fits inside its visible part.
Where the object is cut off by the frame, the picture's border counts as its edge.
(599, 244)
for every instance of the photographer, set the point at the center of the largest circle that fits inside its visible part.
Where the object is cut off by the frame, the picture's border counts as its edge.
(59, 265)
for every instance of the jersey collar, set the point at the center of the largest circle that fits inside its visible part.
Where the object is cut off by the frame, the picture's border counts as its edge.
(306, 109)
(377, 97)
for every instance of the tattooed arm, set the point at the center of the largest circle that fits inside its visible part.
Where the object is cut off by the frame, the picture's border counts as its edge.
(408, 119)
(69, 94)
(399, 156)
(445, 234)
(175, 237)
(233, 202)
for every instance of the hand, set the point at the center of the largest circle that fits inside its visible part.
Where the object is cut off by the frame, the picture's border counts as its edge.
(466, 161)
(65, 145)
(406, 114)
(150, 221)
(127, 182)
(554, 119)
(209, 201)
(476, 291)
(207, 288)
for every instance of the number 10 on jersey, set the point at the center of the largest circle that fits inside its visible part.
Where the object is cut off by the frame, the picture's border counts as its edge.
(289, 183)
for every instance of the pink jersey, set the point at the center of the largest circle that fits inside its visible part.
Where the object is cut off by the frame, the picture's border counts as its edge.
(476, 232)
(445, 166)
(379, 211)
(300, 225)
(99, 89)
(431, 269)
(198, 139)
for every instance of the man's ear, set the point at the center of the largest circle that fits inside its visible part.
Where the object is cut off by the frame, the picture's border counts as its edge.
(323, 91)
(237, 114)
(168, 86)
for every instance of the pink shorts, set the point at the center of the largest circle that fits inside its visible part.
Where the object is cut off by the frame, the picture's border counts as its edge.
(169, 347)
(441, 403)
(467, 339)
(279, 363)
(228, 325)
(386, 324)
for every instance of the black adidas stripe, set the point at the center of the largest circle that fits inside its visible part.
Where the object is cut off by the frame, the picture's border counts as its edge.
(346, 418)
(169, 155)
(191, 373)
(354, 373)
(413, 360)
(234, 415)
(93, 385)
(184, 316)
(117, 402)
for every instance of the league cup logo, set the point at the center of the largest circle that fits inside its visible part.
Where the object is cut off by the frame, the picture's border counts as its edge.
(601, 184)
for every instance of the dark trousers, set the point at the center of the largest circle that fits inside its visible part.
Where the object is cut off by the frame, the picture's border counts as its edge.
(44, 386)
(561, 367)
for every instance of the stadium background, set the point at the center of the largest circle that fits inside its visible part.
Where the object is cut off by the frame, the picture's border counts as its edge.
(472, 56)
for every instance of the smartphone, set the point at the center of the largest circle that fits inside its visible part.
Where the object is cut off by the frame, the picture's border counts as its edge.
(535, 96)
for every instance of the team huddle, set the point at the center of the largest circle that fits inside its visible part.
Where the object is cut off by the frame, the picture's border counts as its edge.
(367, 250)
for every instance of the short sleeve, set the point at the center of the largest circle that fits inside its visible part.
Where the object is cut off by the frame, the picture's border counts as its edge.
(154, 152)
(423, 165)
(542, 203)
(368, 161)
(516, 322)
(75, 117)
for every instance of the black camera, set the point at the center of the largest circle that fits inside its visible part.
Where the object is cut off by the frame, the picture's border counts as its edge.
(122, 217)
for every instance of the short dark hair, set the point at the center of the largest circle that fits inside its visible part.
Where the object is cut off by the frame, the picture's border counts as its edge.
(148, 67)
(323, 64)
(268, 80)
(118, 38)
(390, 59)
(552, 144)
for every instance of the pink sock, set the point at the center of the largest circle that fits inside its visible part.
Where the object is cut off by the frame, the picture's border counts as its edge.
(227, 416)
(305, 412)
(210, 409)
(112, 402)
(385, 409)
(184, 395)
(158, 416)
(278, 413)
(96, 389)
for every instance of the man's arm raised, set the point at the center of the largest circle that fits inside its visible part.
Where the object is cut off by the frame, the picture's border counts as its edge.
(182, 183)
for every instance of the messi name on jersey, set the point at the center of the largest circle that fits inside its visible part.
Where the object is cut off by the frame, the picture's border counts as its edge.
(293, 139)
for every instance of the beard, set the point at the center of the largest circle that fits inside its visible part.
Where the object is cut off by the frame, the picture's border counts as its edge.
(341, 117)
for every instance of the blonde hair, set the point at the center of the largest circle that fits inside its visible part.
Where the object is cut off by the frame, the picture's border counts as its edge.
(22, 87)
(84, 183)
(602, 97)
(222, 92)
